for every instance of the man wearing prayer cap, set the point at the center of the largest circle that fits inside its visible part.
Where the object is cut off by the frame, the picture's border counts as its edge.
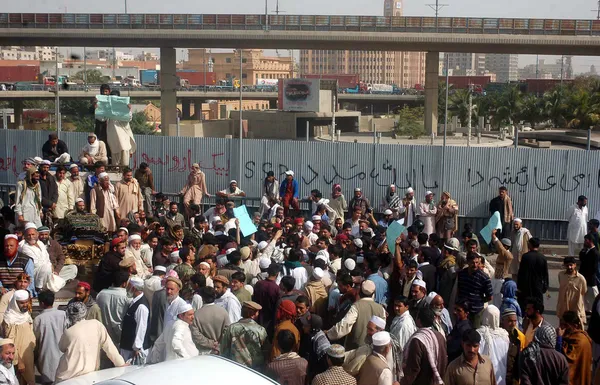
(237, 347)
(28, 199)
(376, 366)
(13, 264)
(83, 294)
(57, 257)
(232, 191)
(418, 291)
(104, 203)
(18, 326)
(316, 292)
(289, 192)
(178, 337)
(77, 183)
(226, 299)
(409, 209)
(518, 342)
(354, 324)
(7, 356)
(519, 238)
(135, 334)
(81, 344)
(335, 375)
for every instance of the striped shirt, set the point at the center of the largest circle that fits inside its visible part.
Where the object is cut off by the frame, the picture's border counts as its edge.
(474, 288)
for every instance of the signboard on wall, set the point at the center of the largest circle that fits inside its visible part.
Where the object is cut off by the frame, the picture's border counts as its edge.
(299, 95)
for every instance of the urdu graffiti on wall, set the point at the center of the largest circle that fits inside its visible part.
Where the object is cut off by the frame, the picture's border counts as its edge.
(524, 178)
(177, 163)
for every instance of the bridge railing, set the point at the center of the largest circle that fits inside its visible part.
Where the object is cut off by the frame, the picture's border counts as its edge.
(417, 24)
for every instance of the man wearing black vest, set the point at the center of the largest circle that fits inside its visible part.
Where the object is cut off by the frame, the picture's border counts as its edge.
(135, 336)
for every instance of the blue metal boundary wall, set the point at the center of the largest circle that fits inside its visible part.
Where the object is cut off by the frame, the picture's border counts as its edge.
(542, 183)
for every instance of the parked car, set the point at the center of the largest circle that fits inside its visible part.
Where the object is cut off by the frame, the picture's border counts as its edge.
(200, 370)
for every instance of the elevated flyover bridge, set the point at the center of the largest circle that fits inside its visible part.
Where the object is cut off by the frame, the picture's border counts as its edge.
(168, 31)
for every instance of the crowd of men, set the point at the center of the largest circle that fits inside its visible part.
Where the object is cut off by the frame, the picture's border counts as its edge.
(323, 298)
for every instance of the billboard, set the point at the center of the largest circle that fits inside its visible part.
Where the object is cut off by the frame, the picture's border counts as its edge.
(299, 94)
(267, 82)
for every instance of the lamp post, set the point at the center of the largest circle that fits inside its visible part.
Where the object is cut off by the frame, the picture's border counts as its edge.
(241, 128)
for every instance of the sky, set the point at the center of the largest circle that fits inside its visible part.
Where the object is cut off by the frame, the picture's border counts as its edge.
(573, 9)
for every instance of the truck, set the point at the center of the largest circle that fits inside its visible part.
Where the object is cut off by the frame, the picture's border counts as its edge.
(344, 80)
(186, 78)
(380, 88)
(360, 88)
(13, 74)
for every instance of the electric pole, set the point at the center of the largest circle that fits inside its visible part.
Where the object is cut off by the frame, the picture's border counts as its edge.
(437, 8)
(597, 10)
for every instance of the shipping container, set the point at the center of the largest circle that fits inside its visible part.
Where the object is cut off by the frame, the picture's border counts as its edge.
(463, 82)
(198, 78)
(541, 86)
(344, 80)
(380, 88)
(149, 77)
(19, 74)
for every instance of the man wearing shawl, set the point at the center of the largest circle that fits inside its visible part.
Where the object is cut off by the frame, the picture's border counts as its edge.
(509, 300)
(57, 257)
(392, 199)
(77, 184)
(44, 276)
(119, 138)
(81, 344)
(7, 356)
(18, 326)
(572, 288)
(447, 216)
(134, 251)
(337, 203)
(442, 323)
(94, 151)
(28, 207)
(576, 345)
(83, 295)
(425, 353)
(129, 194)
(194, 189)
(541, 364)
(104, 203)
(409, 209)
(519, 240)
(494, 342)
(285, 315)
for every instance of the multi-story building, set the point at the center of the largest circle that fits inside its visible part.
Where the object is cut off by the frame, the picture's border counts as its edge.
(27, 53)
(226, 65)
(543, 70)
(404, 69)
(505, 66)
(465, 64)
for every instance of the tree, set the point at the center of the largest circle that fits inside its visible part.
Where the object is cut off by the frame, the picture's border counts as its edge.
(93, 76)
(509, 106)
(585, 110)
(139, 124)
(555, 106)
(532, 110)
(459, 102)
(410, 122)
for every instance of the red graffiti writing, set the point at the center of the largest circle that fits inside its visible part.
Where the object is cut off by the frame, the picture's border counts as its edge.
(177, 163)
(10, 162)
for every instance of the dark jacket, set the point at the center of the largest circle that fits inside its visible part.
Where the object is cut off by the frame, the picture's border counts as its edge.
(497, 204)
(532, 280)
(429, 276)
(552, 368)
(455, 339)
(589, 265)
(56, 255)
(61, 148)
(49, 191)
(109, 265)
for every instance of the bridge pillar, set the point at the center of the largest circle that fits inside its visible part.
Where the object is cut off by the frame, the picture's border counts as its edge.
(186, 106)
(197, 109)
(18, 113)
(168, 88)
(272, 104)
(431, 91)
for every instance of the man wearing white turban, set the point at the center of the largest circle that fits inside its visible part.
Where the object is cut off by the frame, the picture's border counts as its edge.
(103, 202)
(94, 151)
(7, 369)
(134, 250)
(44, 277)
(135, 339)
(176, 340)
(18, 326)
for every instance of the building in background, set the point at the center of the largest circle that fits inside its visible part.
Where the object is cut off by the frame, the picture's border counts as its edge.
(465, 64)
(39, 53)
(505, 66)
(404, 69)
(226, 65)
(542, 70)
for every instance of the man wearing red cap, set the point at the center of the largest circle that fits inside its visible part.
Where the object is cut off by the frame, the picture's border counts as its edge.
(284, 317)
(82, 294)
(109, 264)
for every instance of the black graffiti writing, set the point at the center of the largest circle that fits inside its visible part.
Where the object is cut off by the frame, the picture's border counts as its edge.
(521, 179)
(360, 175)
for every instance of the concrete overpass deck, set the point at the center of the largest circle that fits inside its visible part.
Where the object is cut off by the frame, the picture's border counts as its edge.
(47, 95)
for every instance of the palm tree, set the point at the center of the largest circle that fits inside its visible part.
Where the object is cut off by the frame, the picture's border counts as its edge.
(555, 106)
(585, 109)
(509, 106)
(459, 106)
(532, 110)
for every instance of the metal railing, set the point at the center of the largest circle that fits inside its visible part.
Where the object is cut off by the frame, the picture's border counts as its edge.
(417, 24)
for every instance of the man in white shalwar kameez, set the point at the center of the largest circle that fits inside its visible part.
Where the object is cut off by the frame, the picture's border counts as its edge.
(176, 340)
(141, 319)
(577, 215)
(81, 344)
(28, 207)
(519, 245)
(7, 369)
(44, 276)
(48, 328)
(120, 141)
(134, 251)
(409, 210)
(427, 213)
(94, 151)
(494, 342)
(66, 200)
(77, 183)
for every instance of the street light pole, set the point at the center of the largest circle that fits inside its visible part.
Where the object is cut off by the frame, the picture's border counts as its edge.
(266, 15)
(241, 128)
(125, 6)
(445, 121)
